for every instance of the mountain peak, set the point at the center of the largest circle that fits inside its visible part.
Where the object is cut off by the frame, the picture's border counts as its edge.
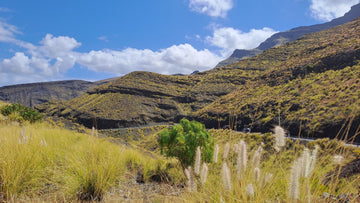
(281, 38)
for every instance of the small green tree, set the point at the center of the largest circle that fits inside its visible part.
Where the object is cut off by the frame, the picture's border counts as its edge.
(182, 140)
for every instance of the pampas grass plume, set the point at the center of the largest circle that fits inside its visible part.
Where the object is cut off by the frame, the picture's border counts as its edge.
(250, 190)
(203, 174)
(226, 150)
(226, 177)
(197, 161)
(280, 139)
(241, 161)
(191, 182)
(236, 148)
(216, 152)
(305, 165)
(257, 157)
(294, 179)
(257, 173)
(313, 158)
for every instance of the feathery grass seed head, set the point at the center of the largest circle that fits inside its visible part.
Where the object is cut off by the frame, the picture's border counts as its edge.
(257, 173)
(204, 173)
(280, 139)
(250, 190)
(257, 157)
(226, 150)
(226, 177)
(216, 152)
(294, 179)
(197, 161)
(191, 181)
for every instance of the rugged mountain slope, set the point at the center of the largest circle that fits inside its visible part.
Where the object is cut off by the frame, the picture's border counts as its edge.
(34, 94)
(290, 35)
(135, 99)
(313, 83)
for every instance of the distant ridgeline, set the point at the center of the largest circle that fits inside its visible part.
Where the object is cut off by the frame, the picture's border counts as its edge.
(311, 85)
(33, 94)
(289, 36)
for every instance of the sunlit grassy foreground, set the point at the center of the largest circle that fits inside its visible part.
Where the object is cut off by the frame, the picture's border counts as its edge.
(280, 176)
(42, 162)
(49, 163)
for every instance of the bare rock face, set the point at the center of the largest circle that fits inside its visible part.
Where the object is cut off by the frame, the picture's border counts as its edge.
(281, 38)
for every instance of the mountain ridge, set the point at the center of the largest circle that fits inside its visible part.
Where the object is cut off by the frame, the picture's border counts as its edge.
(33, 94)
(281, 38)
(236, 92)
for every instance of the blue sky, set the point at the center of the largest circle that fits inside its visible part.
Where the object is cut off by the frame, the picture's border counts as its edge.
(45, 40)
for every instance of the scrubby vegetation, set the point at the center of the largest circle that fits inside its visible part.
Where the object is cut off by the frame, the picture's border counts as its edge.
(42, 161)
(20, 113)
(310, 86)
(295, 173)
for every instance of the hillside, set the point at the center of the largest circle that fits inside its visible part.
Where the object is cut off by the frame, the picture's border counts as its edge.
(281, 38)
(312, 82)
(289, 76)
(33, 94)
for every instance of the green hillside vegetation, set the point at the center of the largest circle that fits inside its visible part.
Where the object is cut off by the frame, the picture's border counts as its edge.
(285, 79)
(315, 86)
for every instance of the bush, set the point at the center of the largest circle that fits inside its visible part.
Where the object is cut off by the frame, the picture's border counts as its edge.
(182, 140)
(18, 112)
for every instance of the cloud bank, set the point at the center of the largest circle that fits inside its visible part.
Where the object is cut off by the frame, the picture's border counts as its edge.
(214, 8)
(229, 39)
(326, 10)
(54, 55)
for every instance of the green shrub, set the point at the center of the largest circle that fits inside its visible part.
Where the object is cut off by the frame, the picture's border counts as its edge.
(18, 112)
(182, 140)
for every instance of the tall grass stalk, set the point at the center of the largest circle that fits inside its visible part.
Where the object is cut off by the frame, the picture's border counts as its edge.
(216, 152)
(294, 179)
(280, 139)
(197, 161)
(191, 184)
(226, 177)
(226, 150)
(204, 173)
(241, 161)
(257, 156)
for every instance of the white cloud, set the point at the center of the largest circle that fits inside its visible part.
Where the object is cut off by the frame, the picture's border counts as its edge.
(47, 61)
(19, 63)
(214, 8)
(103, 38)
(326, 10)
(229, 39)
(57, 46)
(181, 58)
(54, 55)
(7, 32)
